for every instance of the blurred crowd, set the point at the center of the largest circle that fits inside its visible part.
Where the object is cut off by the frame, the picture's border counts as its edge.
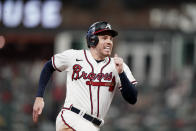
(168, 107)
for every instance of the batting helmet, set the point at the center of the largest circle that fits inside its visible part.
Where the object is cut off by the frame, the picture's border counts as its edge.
(95, 29)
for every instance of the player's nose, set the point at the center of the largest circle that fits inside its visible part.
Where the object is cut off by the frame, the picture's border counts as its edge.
(109, 41)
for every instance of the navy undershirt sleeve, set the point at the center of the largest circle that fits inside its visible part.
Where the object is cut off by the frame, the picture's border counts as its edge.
(44, 78)
(128, 90)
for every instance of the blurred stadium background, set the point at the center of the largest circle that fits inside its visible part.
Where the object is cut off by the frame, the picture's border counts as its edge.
(156, 39)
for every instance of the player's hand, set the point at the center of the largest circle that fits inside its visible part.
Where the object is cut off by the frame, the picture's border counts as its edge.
(118, 63)
(37, 108)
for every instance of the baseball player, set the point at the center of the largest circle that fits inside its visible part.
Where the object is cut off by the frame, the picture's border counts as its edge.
(92, 79)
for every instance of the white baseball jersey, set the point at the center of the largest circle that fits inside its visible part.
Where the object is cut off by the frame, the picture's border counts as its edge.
(90, 85)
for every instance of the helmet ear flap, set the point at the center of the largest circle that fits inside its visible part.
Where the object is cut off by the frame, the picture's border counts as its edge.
(92, 40)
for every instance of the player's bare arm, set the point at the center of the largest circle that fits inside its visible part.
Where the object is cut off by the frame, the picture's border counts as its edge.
(37, 108)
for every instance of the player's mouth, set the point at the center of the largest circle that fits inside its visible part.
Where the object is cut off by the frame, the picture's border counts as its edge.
(107, 48)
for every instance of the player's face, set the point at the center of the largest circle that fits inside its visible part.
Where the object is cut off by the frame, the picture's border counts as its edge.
(105, 45)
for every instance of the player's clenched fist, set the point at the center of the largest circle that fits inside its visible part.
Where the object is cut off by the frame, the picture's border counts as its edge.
(37, 108)
(118, 63)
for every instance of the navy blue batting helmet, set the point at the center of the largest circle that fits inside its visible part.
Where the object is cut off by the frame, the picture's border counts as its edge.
(95, 29)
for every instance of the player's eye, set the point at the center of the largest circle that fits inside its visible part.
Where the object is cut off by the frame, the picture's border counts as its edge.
(105, 37)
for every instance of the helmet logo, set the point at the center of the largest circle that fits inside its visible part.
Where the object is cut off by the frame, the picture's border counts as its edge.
(108, 26)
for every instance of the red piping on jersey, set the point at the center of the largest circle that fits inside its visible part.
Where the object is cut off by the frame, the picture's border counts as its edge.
(98, 101)
(99, 87)
(134, 82)
(65, 122)
(90, 80)
(55, 65)
(68, 108)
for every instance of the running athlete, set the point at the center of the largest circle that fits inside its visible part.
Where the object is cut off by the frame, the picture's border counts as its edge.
(92, 79)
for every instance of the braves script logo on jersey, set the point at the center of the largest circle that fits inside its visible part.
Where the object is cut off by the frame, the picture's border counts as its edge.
(93, 76)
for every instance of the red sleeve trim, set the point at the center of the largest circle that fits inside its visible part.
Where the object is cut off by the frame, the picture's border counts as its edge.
(55, 65)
